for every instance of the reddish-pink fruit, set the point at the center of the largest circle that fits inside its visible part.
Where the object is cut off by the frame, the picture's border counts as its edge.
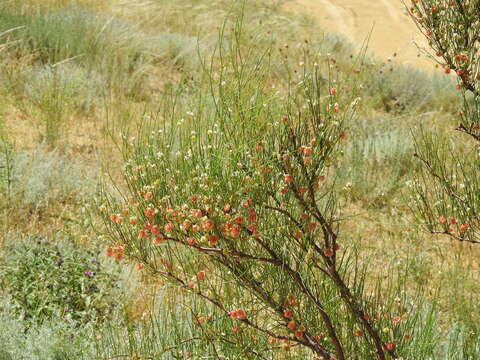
(288, 313)
(299, 334)
(208, 225)
(155, 230)
(158, 239)
(235, 231)
(212, 239)
(328, 252)
(148, 195)
(241, 314)
(149, 212)
(186, 224)
(271, 340)
(201, 275)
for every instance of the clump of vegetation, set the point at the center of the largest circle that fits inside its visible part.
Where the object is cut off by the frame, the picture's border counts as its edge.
(42, 185)
(399, 89)
(447, 190)
(372, 153)
(46, 280)
(80, 89)
(50, 340)
(262, 203)
(237, 205)
(42, 177)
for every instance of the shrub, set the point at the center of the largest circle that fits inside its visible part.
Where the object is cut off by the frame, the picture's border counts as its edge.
(180, 48)
(405, 89)
(236, 206)
(77, 88)
(58, 91)
(376, 161)
(47, 280)
(447, 191)
(54, 339)
(112, 47)
(56, 36)
(42, 177)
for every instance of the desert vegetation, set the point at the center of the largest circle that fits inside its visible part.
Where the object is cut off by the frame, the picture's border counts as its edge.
(225, 180)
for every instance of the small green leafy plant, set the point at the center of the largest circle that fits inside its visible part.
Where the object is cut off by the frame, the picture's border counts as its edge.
(46, 279)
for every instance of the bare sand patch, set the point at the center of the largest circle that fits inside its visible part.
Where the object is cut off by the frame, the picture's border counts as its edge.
(392, 31)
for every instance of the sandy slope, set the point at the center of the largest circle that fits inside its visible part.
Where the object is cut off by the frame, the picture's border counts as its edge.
(392, 30)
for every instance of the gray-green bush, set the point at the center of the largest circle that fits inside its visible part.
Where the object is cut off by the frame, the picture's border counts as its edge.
(377, 159)
(38, 178)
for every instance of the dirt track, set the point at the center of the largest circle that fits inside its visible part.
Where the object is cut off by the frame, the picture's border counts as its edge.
(392, 30)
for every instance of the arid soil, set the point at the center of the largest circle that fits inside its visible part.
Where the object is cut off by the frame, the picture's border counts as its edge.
(392, 31)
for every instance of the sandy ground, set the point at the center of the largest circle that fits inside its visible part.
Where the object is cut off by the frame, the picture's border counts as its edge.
(392, 31)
